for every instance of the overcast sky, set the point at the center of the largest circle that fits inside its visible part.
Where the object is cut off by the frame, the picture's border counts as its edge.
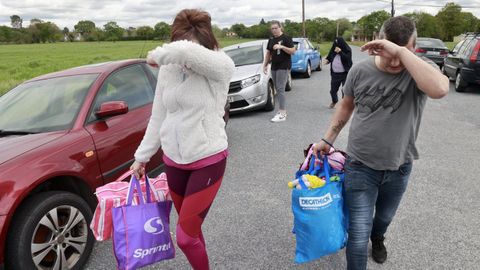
(224, 12)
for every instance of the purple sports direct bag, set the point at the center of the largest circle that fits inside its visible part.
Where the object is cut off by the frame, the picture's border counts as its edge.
(141, 234)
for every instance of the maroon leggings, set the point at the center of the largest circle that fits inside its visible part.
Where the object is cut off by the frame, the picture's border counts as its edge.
(193, 193)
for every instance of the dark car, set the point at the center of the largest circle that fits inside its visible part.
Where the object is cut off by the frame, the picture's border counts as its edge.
(61, 136)
(463, 63)
(432, 48)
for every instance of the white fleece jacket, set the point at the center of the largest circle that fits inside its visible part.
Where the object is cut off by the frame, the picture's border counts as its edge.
(188, 108)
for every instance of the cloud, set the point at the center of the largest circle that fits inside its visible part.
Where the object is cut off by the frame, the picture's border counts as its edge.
(224, 12)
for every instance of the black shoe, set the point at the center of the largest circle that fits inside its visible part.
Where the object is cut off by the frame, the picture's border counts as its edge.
(379, 251)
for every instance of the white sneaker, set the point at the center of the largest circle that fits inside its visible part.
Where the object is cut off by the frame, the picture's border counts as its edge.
(279, 117)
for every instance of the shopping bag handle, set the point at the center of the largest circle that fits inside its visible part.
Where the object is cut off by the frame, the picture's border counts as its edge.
(149, 187)
(326, 169)
(135, 184)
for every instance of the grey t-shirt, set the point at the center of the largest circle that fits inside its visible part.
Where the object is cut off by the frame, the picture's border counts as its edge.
(387, 115)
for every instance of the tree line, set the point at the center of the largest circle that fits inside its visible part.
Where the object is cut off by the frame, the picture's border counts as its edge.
(449, 22)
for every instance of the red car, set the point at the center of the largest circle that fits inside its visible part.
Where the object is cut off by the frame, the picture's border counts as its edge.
(61, 136)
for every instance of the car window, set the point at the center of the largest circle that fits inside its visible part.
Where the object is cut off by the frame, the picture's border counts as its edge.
(154, 71)
(457, 47)
(129, 84)
(469, 47)
(45, 105)
(307, 46)
(297, 45)
(247, 55)
(435, 43)
(463, 49)
(310, 44)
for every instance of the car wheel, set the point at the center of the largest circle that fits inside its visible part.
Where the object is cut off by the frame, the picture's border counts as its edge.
(460, 84)
(319, 68)
(308, 73)
(50, 231)
(288, 86)
(270, 105)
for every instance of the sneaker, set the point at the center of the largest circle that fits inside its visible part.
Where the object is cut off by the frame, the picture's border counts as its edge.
(379, 251)
(279, 117)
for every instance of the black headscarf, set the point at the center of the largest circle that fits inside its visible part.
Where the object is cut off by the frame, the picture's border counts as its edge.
(345, 54)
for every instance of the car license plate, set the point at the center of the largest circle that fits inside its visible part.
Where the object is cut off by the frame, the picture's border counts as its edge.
(433, 53)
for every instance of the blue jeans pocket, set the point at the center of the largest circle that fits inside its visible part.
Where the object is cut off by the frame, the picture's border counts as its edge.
(355, 175)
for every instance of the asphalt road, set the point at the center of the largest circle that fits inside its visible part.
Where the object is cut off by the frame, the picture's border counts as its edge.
(248, 227)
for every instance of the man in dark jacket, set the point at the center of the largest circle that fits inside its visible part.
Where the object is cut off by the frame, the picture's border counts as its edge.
(340, 57)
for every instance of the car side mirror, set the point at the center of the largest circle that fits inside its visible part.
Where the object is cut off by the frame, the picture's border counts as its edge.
(112, 108)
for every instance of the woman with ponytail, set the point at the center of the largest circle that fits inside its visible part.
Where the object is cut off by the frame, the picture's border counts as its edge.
(187, 122)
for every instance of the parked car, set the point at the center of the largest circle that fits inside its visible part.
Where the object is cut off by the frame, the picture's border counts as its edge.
(432, 48)
(61, 136)
(306, 58)
(463, 63)
(250, 87)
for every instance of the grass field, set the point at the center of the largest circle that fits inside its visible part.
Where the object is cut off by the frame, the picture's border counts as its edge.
(23, 62)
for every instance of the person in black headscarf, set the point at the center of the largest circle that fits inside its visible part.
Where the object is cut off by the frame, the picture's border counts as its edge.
(340, 58)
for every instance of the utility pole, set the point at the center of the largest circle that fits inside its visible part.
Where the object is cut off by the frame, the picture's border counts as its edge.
(303, 18)
(393, 8)
(337, 27)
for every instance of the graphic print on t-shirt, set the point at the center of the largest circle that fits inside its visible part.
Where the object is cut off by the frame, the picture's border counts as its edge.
(375, 97)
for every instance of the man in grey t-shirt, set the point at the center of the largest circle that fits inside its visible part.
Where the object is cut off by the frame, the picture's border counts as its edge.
(387, 93)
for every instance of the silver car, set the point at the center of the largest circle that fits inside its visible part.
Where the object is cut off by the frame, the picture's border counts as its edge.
(250, 88)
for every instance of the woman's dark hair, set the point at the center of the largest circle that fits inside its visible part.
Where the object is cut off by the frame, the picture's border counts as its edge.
(194, 24)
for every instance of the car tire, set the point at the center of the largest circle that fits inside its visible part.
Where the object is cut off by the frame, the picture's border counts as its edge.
(308, 72)
(460, 84)
(270, 105)
(288, 85)
(319, 68)
(32, 227)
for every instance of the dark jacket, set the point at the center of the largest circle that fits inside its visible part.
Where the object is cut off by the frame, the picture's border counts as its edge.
(345, 54)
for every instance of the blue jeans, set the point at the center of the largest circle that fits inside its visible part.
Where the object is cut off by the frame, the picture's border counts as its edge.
(367, 190)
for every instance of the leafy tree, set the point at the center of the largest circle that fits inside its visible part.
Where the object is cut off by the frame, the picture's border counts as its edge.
(44, 31)
(131, 31)
(84, 28)
(449, 21)
(262, 21)
(35, 21)
(113, 32)
(427, 25)
(145, 32)
(372, 22)
(5, 34)
(96, 34)
(239, 29)
(16, 21)
(217, 31)
(470, 22)
(162, 30)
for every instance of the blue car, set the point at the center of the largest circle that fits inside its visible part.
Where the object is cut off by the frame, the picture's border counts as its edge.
(306, 58)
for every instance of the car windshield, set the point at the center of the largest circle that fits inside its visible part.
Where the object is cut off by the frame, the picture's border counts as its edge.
(45, 105)
(432, 43)
(246, 55)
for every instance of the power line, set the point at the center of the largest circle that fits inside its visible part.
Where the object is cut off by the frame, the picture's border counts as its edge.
(425, 5)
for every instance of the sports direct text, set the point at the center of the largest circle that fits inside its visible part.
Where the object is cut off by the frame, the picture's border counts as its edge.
(140, 253)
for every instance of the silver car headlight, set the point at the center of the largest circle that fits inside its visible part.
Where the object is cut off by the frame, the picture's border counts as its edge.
(250, 81)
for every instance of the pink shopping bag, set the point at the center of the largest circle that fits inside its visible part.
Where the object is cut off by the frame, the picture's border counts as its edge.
(115, 194)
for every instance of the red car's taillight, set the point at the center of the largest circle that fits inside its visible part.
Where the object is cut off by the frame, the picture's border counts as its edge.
(474, 56)
(420, 50)
(443, 52)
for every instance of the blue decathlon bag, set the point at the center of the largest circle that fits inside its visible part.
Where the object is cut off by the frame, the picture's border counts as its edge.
(320, 220)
